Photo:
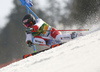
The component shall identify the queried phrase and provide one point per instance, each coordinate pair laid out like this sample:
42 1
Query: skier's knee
63 37
39 41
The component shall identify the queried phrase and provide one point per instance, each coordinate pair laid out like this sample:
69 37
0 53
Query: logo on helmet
26 20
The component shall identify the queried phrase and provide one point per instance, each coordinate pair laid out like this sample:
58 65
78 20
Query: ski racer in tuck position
42 32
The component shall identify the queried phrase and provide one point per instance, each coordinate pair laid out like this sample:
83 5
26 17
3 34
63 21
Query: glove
29 43
29 30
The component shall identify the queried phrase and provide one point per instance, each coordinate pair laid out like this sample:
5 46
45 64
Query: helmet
28 20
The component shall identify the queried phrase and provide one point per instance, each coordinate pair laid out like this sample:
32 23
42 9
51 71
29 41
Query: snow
79 55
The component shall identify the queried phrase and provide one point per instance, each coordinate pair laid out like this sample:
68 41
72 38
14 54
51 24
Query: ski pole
75 30
28 3
34 48
31 12
66 30
33 45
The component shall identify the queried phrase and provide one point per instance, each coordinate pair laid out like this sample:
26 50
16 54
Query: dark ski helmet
28 20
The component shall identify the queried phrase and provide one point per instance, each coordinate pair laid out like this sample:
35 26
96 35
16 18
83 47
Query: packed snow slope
79 55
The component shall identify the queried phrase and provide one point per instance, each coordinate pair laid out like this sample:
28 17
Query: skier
42 32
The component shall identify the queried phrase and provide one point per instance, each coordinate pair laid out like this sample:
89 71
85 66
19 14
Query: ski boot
74 35
49 42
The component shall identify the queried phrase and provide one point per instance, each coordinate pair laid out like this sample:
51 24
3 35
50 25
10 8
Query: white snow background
79 55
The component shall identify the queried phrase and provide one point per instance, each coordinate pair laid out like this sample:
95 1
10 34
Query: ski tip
28 55
87 29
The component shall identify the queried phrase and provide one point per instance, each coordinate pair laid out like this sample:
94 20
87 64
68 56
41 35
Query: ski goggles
28 24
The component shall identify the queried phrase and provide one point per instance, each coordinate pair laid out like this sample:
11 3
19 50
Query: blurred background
61 14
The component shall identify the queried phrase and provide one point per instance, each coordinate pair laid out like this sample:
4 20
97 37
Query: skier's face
27 23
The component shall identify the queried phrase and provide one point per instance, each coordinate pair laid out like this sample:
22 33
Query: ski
52 46
49 47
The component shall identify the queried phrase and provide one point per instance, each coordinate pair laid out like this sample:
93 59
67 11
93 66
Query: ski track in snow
78 55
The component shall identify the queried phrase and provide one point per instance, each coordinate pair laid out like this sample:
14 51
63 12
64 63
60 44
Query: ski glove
29 43
29 30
